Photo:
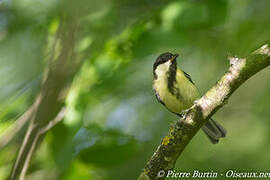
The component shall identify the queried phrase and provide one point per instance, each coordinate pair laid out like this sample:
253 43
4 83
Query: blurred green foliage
113 122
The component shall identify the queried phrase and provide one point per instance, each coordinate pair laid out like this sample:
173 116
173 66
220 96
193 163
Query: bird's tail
214 131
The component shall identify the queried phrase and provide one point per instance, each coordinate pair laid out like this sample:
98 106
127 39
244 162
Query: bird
175 90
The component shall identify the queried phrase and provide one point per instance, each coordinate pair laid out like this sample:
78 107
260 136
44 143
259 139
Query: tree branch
40 132
183 130
14 130
55 121
57 79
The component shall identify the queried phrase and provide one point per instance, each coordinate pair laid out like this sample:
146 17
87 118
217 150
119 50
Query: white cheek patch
163 68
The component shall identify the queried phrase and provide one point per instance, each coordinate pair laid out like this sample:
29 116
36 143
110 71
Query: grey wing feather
188 76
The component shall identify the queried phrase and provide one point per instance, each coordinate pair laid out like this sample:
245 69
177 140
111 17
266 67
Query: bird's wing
188 76
190 80
158 97
187 88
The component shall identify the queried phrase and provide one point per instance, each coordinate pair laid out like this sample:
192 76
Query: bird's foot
183 114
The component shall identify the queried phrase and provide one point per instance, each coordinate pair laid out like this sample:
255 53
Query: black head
163 58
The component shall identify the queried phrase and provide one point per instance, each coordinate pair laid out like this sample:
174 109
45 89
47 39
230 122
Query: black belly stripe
172 78
172 82
178 94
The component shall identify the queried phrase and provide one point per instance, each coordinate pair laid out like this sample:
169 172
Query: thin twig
55 121
34 144
56 80
29 155
17 126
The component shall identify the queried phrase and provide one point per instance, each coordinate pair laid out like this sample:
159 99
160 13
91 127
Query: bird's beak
174 57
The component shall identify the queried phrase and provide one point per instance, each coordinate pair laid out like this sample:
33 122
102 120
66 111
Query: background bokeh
113 122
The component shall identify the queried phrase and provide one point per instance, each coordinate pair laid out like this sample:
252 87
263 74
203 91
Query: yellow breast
188 92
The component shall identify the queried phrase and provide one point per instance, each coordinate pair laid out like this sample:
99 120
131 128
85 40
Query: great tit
175 89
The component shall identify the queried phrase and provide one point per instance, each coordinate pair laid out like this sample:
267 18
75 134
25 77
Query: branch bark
183 130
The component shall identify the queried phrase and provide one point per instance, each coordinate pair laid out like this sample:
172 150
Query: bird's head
165 63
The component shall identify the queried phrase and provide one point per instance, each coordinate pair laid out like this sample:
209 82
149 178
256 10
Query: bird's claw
184 113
